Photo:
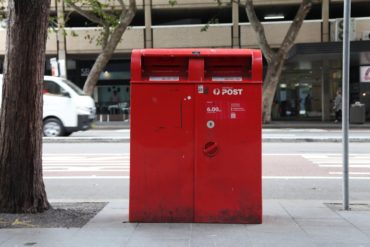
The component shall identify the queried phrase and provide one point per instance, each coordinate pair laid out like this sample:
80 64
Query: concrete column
235 27
325 21
325 79
148 24
61 40
325 91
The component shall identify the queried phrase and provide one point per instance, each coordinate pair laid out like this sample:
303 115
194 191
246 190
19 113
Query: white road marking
85 177
278 135
350 173
84 155
122 131
311 178
74 162
91 164
333 162
338 161
318 155
96 166
340 166
296 130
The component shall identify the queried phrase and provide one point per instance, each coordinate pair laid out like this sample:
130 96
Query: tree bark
109 40
22 188
275 60
106 54
259 30
273 73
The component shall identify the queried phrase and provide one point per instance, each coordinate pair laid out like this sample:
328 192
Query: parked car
66 108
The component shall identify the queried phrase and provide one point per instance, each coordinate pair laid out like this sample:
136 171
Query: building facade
311 76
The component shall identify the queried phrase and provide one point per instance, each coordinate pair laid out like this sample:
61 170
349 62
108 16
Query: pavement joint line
349 222
295 222
132 234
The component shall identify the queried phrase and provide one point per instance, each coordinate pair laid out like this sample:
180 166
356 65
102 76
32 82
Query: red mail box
196 135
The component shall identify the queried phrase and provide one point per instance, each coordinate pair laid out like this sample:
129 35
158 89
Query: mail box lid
177 65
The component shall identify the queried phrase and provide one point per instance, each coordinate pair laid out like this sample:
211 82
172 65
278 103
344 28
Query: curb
110 127
308 139
265 140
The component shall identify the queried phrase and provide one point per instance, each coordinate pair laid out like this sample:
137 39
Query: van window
74 87
53 88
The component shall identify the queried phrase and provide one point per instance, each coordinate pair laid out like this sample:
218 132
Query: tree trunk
275 60
21 185
107 53
274 69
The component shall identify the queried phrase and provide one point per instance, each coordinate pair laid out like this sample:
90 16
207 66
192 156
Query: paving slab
5 235
219 235
286 239
39 237
286 223
163 234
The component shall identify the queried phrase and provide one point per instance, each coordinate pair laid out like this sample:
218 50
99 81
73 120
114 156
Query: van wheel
53 127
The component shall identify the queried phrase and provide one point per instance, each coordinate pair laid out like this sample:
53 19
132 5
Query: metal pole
61 44
345 100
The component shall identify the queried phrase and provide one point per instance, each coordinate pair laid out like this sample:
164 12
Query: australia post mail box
196 135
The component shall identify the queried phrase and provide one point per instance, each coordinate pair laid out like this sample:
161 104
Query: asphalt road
100 172
267 148
268 135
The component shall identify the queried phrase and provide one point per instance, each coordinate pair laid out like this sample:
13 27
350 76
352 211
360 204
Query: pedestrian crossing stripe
118 165
88 163
339 166
359 165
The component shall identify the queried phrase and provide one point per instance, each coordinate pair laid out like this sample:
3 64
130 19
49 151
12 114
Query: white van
66 108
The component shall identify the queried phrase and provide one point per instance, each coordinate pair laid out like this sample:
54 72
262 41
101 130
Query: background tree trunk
106 54
21 185
274 69
275 59
113 28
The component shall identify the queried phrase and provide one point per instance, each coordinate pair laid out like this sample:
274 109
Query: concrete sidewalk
285 223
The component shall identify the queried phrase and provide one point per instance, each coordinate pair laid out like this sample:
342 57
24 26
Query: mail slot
196 136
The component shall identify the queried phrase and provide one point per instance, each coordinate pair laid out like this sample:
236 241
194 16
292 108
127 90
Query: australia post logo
228 91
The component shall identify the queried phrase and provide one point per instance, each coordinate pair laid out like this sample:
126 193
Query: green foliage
89 38
2 10
228 3
213 20
219 2
105 14
108 11
172 2
74 34
53 22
